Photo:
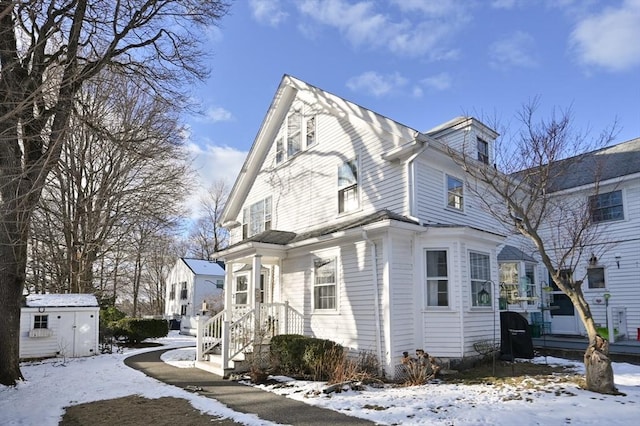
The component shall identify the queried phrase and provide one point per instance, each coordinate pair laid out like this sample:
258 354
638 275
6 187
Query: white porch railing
239 335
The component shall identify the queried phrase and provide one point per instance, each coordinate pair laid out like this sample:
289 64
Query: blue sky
419 62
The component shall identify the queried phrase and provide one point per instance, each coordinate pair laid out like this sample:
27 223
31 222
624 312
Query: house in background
608 181
191 283
59 325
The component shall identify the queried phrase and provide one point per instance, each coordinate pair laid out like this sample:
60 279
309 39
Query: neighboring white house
607 180
349 226
59 325
190 283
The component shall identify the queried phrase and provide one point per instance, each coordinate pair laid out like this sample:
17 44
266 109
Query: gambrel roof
288 91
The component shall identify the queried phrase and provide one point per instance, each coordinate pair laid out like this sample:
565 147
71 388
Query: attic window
483 151
348 198
295 130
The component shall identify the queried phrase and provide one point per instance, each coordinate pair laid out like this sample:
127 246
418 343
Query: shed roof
61 300
204 267
514 253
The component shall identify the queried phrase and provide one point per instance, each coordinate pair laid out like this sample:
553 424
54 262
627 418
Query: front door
563 314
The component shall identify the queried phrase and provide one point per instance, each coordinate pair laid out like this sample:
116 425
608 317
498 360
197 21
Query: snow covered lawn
52 385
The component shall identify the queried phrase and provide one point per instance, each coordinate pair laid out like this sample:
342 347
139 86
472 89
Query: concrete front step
213 364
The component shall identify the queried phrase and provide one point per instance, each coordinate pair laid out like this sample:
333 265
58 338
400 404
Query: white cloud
268 12
213 163
516 50
217 114
422 28
376 84
438 82
609 39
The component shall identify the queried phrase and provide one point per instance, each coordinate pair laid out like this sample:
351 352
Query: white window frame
251 226
349 191
431 280
454 199
478 284
40 321
607 217
483 156
604 278
318 263
245 291
297 133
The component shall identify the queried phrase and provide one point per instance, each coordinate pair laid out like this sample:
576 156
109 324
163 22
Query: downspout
376 297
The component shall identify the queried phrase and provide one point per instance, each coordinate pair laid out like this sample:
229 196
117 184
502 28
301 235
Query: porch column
228 291
254 282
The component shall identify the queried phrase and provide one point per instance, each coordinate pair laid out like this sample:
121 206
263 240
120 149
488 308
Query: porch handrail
209 334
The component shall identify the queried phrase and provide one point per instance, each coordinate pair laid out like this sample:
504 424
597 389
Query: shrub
135 330
297 355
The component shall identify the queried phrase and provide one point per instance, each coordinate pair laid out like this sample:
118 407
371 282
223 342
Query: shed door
77 334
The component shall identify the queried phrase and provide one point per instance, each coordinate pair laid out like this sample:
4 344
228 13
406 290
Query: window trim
603 217
245 291
40 321
285 149
438 278
450 193
486 281
483 157
267 216
315 284
347 188
604 278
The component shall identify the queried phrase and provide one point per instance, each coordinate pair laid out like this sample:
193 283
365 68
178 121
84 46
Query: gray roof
600 165
273 236
513 253
204 267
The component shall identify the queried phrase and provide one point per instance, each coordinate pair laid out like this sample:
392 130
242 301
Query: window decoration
324 286
481 286
348 197
437 278
606 207
455 193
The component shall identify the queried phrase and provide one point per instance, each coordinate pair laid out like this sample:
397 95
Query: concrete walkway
239 397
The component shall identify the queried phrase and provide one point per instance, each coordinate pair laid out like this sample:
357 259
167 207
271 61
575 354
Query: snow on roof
60 300
204 267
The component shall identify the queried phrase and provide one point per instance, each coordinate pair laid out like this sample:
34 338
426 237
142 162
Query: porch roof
271 242
514 253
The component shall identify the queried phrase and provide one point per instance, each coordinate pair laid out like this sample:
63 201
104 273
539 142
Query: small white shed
59 325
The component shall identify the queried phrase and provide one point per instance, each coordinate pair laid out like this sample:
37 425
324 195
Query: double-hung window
455 193
481 290
324 284
437 278
256 218
595 276
607 206
242 290
172 292
348 197
297 129
183 291
483 151
294 133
